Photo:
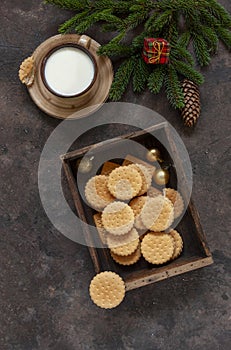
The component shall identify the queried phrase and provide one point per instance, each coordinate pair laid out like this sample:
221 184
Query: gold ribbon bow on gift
158 47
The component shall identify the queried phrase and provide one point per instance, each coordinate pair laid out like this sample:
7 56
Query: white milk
69 71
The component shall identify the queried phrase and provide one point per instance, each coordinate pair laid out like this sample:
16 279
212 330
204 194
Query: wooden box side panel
147 277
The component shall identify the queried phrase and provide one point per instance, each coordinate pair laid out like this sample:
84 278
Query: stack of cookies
134 218
132 215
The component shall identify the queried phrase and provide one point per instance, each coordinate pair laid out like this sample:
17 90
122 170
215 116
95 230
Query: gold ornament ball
161 177
84 165
153 155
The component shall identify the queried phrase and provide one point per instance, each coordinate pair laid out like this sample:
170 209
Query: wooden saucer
75 107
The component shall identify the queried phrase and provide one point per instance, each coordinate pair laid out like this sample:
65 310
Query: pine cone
191 111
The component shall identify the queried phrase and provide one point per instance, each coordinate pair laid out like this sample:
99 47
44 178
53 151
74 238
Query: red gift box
156 51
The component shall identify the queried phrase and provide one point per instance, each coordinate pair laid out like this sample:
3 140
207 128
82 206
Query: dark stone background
44 277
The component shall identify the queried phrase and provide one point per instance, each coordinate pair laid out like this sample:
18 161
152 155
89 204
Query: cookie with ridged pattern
157 247
137 205
97 193
157 214
129 259
176 199
127 248
146 176
118 218
107 290
124 182
178 243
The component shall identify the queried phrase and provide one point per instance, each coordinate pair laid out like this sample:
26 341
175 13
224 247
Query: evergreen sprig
141 74
122 78
200 22
156 79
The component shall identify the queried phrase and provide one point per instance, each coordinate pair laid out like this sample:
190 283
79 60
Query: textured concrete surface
44 277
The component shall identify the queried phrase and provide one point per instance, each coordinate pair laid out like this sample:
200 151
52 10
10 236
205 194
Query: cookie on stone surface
176 199
124 182
107 290
157 213
157 247
129 259
97 193
118 218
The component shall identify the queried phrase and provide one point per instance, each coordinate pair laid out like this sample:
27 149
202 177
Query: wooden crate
196 253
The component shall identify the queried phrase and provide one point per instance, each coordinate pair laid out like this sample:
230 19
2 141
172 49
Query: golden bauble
161 176
84 165
153 155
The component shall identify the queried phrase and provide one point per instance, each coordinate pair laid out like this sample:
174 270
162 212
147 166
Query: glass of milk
69 70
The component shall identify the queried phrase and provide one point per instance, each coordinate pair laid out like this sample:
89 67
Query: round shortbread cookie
118 218
97 193
116 241
157 213
146 176
157 247
137 205
153 192
107 290
128 248
176 199
124 182
178 243
129 259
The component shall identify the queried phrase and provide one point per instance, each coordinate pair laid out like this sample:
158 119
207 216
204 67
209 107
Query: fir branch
120 6
135 19
225 36
188 71
121 79
207 18
220 13
156 79
140 74
179 52
75 5
114 49
211 38
184 39
204 22
138 41
95 17
149 25
72 23
109 27
179 5
170 32
173 88
201 49
162 20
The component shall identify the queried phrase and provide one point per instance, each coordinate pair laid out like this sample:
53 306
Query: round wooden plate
75 107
